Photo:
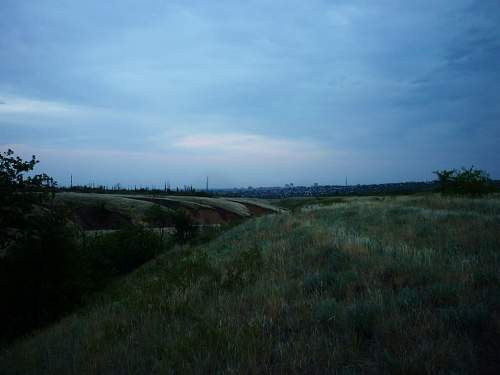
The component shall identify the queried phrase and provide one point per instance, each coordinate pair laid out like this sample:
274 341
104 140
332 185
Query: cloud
253 145
12 104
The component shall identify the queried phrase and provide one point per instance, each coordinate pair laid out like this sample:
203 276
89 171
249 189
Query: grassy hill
367 285
112 211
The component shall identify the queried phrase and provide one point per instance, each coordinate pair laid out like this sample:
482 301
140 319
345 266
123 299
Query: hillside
93 211
357 285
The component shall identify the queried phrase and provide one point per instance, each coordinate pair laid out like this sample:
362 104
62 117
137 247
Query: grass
386 285
134 209
234 207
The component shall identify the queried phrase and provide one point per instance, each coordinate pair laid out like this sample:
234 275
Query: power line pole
207 184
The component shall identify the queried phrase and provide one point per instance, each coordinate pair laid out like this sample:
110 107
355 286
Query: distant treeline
400 188
117 189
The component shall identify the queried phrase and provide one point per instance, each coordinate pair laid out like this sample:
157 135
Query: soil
257 210
207 216
99 218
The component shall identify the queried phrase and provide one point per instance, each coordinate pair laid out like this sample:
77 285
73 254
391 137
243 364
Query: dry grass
134 209
135 206
399 285
257 202
228 205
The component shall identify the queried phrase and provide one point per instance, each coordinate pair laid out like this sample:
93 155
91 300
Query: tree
472 182
15 187
40 263
18 195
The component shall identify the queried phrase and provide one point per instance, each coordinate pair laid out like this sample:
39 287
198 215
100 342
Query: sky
253 93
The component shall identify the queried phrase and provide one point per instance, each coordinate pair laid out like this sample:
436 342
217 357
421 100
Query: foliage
158 217
184 225
15 187
18 194
122 251
40 270
472 181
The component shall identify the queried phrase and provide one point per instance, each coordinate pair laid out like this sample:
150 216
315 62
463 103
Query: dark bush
122 251
472 182
184 225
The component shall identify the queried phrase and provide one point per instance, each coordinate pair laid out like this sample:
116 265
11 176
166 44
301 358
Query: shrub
122 251
157 216
472 181
184 225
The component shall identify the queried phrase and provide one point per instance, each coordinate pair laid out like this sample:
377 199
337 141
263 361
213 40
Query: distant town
290 190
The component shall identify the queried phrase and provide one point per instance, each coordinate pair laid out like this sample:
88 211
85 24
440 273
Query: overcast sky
251 93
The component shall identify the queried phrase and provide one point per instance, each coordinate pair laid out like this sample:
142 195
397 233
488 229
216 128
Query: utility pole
346 181
207 184
71 182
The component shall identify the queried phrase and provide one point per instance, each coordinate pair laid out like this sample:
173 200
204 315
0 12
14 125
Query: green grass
394 285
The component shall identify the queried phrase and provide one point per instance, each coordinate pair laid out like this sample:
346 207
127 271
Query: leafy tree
39 258
472 182
18 195
15 187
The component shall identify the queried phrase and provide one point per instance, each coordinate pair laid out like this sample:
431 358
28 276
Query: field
377 285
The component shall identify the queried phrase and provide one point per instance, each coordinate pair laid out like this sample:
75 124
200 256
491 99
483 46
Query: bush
184 225
122 251
473 182
158 217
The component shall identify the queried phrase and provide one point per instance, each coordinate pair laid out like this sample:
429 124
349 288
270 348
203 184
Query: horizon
258 94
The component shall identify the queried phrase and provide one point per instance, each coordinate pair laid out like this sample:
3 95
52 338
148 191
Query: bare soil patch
256 210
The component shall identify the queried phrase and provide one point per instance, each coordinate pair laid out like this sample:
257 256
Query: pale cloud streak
240 145
20 105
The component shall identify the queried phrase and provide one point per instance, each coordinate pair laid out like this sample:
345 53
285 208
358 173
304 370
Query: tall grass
398 285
